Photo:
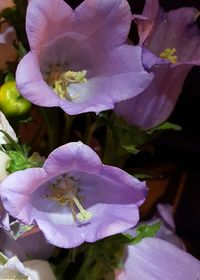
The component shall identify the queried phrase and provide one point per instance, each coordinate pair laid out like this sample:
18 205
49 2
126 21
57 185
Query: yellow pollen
65 192
169 54
60 81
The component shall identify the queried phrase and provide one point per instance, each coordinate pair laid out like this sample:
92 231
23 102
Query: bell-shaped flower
78 59
153 258
29 270
74 197
173 42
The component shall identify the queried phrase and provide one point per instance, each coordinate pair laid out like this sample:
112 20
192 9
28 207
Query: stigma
169 54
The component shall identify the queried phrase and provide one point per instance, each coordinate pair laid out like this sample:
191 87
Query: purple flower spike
173 39
153 258
79 60
74 197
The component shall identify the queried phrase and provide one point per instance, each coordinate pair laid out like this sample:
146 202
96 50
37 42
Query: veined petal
41 26
26 185
155 104
146 25
61 235
98 19
64 159
153 258
31 84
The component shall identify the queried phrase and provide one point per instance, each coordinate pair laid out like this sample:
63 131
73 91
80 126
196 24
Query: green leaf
142 176
3 259
144 231
133 138
9 77
21 49
165 127
20 161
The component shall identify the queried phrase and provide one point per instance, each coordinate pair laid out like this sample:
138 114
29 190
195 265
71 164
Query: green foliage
133 139
18 154
3 259
101 258
20 161
144 231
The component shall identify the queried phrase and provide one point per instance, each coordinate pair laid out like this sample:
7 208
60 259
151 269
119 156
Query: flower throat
65 192
60 81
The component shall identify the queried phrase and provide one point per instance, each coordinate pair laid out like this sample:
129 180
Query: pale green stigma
83 215
60 81
169 54
65 192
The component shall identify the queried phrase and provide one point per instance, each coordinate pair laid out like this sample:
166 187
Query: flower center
60 81
65 192
169 54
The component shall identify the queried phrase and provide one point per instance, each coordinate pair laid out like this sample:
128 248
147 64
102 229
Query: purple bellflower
173 38
74 197
78 60
153 258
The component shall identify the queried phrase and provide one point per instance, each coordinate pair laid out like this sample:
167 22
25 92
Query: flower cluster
82 61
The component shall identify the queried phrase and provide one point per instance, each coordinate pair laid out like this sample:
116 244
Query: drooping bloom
153 258
78 60
74 197
30 270
174 39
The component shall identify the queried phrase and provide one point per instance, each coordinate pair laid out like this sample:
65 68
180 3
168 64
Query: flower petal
60 235
31 84
64 159
5 126
154 105
97 20
153 258
23 185
39 270
178 29
41 26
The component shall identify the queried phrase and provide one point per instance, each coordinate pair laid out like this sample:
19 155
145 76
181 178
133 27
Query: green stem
50 130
